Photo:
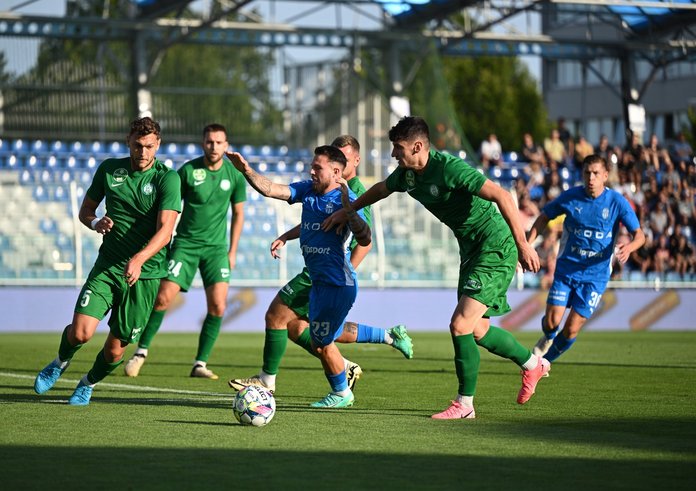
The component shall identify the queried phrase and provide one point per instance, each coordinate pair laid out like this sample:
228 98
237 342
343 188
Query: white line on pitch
143 388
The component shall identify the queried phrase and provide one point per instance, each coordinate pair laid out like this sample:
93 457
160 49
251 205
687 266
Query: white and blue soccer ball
254 406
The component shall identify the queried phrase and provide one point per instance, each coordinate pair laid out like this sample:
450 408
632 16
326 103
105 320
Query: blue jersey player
593 215
326 255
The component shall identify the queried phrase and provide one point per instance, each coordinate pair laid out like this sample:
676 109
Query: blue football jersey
326 254
590 230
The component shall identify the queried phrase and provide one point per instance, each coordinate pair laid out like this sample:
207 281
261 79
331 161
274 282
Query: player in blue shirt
593 215
326 254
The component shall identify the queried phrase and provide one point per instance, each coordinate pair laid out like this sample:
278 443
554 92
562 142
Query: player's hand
132 272
528 257
622 253
239 162
345 197
233 259
104 225
337 219
276 246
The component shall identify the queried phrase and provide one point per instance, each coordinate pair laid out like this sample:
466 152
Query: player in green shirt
209 186
143 199
490 244
288 312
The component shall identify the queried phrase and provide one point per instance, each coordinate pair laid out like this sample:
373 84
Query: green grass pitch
617 412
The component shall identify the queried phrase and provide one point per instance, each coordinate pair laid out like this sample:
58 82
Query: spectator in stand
583 148
547 251
604 148
690 178
682 153
661 217
535 180
491 151
671 180
552 186
641 259
632 153
555 149
683 257
531 152
566 137
661 255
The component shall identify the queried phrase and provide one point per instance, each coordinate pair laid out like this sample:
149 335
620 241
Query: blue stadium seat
58 147
118 149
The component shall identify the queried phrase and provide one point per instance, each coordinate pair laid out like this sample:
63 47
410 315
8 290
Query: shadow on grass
52 467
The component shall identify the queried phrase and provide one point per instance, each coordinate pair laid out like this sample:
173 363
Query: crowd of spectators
657 180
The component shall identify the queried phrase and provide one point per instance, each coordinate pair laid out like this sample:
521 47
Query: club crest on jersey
434 191
410 178
329 207
199 174
225 184
148 189
120 175
605 213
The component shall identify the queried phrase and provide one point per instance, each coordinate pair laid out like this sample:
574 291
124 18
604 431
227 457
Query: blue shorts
582 297
328 307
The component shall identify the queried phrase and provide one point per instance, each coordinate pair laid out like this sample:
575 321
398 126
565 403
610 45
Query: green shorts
486 276
296 294
184 260
107 289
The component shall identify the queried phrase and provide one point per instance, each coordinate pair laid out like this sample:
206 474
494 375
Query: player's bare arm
260 183
376 193
88 216
166 219
623 251
508 209
279 243
361 230
538 227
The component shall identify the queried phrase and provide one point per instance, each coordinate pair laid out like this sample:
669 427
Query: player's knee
217 309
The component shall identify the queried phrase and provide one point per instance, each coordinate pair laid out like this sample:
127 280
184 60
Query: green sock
153 325
273 349
66 350
101 368
466 363
500 342
208 336
305 341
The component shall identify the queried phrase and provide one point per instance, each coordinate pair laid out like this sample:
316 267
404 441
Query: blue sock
560 345
369 334
338 382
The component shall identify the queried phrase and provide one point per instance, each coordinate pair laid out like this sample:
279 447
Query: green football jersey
207 197
358 188
133 201
448 189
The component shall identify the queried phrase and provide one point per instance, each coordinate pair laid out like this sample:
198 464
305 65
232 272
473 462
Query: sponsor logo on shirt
584 253
410 180
591 234
315 250
119 177
198 175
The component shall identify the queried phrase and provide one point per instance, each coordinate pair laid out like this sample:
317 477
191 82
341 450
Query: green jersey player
143 199
209 186
490 244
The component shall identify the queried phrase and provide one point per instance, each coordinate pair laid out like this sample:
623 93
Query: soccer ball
254 406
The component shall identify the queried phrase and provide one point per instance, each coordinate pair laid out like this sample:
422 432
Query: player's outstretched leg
401 340
532 371
50 374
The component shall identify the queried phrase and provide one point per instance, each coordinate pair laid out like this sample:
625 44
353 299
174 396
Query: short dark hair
409 128
334 154
144 126
594 159
214 127
346 141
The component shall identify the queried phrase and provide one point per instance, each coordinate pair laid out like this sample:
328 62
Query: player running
593 215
